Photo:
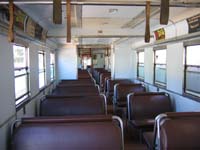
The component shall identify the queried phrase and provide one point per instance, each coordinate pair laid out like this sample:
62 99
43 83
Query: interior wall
112 60
7 91
67 62
8 111
175 74
148 67
123 61
134 64
108 63
175 67
48 70
34 81
99 62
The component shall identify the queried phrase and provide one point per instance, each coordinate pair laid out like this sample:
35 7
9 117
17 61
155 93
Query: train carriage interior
99 75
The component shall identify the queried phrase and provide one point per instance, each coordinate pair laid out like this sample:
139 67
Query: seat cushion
147 123
149 139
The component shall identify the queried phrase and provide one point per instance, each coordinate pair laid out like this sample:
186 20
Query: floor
131 142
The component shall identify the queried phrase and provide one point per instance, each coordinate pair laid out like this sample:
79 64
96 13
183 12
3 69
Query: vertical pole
11 22
68 10
147 28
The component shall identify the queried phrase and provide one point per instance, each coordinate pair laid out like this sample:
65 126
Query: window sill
42 88
29 98
52 81
190 96
23 103
140 79
160 85
184 95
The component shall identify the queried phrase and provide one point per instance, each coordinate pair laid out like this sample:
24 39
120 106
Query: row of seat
73 133
175 131
142 107
133 101
73 116
99 74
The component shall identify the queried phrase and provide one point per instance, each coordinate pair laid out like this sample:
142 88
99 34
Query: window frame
157 83
186 92
138 64
44 70
22 98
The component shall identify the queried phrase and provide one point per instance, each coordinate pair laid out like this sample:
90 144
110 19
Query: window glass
42 74
160 57
160 67
192 70
193 55
52 58
141 57
19 56
140 65
21 72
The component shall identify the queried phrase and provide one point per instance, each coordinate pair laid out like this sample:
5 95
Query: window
86 61
42 74
192 70
160 67
52 66
140 65
21 72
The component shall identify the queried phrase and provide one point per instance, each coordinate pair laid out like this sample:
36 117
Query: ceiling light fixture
100 31
104 23
113 10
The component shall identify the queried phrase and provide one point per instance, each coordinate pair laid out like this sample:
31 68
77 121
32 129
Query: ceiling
96 22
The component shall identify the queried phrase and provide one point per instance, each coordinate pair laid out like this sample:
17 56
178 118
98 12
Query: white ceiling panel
102 17
111 11
103 23
97 40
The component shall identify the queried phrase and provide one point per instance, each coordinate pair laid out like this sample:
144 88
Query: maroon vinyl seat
174 131
79 81
102 79
76 91
83 85
77 133
83 76
96 74
105 83
82 72
88 105
144 107
121 91
109 87
120 97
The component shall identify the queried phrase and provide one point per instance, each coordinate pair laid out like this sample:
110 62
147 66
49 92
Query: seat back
179 131
79 81
89 105
102 78
83 85
143 106
96 73
68 133
83 74
122 90
76 91
111 83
